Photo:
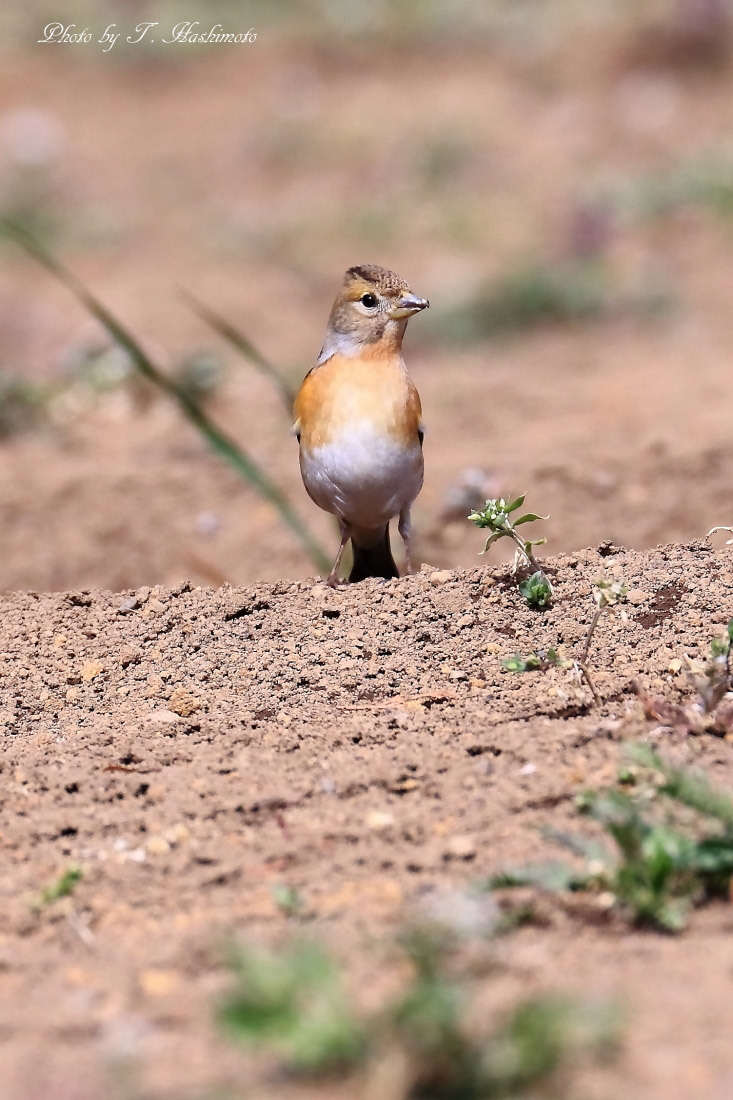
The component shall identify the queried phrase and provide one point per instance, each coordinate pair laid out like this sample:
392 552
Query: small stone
441 576
164 716
129 656
460 847
158 846
636 596
528 769
154 687
177 834
184 703
90 670
158 983
457 674
378 821
72 694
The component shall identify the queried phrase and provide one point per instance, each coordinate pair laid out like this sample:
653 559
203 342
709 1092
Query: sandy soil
191 748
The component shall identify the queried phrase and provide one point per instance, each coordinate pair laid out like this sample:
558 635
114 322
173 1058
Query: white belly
363 476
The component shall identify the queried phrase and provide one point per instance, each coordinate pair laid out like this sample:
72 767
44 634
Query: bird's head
372 308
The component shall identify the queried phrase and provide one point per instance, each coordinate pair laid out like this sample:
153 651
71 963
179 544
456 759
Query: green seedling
446 1059
199 374
496 517
536 662
288 899
294 1003
607 595
222 444
63 887
23 405
536 591
710 711
663 860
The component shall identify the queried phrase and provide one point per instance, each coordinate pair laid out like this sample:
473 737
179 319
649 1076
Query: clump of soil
190 749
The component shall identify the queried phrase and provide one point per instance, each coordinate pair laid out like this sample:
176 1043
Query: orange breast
346 390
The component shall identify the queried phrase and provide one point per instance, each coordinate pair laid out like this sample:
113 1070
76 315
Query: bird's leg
404 527
333 580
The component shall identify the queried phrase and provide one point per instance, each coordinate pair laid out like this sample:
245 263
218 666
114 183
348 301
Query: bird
358 421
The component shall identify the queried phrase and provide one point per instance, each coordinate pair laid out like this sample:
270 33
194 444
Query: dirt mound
191 748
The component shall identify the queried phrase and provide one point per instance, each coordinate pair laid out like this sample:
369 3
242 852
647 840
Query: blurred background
557 180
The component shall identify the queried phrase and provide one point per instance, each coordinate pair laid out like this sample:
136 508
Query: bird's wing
414 410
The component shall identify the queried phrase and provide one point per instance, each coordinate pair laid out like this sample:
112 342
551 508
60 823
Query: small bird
358 421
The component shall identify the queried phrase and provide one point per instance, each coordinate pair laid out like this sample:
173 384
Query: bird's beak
406 305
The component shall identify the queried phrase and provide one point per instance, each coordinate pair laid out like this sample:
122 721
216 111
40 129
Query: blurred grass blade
689 787
218 440
240 343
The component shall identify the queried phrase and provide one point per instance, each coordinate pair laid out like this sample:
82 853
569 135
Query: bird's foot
334 581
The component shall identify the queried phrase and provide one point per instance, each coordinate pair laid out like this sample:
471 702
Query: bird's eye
369 300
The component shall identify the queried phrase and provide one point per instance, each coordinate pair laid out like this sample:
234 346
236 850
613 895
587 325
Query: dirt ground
191 748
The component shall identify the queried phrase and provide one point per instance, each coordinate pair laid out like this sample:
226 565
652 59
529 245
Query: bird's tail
372 558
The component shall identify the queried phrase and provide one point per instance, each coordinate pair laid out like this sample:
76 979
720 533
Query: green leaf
529 517
553 876
689 787
512 505
536 590
63 887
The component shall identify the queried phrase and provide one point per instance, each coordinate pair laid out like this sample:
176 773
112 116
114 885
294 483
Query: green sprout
661 864
537 591
23 404
293 1002
496 517
714 682
288 899
536 661
710 711
63 887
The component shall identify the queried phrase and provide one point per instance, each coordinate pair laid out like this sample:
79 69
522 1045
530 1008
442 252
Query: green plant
664 860
536 590
199 374
288 899
62 887
710 711
23 404
294 1002
537 661
496 517
191 408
